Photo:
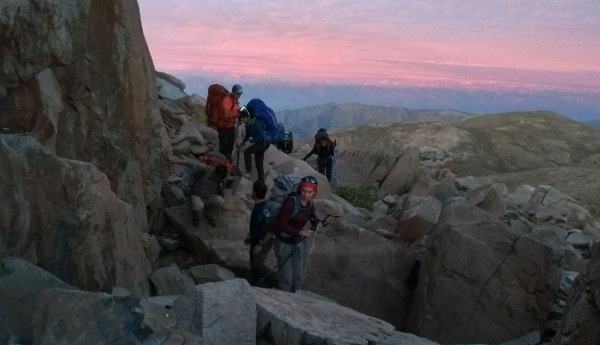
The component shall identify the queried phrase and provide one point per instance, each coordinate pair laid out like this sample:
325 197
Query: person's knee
214 202
197 204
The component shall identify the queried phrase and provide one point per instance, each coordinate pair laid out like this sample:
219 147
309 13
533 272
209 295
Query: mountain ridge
334 116
281 96
483 145
595 123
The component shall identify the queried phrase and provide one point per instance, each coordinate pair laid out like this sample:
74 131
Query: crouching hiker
259 239
289 245
207 188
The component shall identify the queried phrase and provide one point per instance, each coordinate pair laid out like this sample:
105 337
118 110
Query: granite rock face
82 140
78 77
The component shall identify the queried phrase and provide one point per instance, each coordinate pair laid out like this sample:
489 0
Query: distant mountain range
593 123
280 95
306 121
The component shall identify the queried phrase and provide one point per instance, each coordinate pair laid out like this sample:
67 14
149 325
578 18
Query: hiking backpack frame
266 115
214 104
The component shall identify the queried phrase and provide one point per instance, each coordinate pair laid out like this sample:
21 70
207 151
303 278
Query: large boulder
489 197
63 216
362 270
404 174
580 321
83 317
79 77
222 244
419 217
305 318
545 197
21 283
221 313
480 281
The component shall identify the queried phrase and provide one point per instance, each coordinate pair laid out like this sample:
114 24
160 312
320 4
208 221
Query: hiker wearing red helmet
295 212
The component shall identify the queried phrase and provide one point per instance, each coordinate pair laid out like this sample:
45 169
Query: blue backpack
266 115
283 187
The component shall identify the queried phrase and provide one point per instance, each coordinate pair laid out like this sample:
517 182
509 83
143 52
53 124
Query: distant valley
305 121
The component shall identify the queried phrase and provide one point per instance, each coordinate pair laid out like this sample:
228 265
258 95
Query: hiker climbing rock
324 148
296 211
206 190
255 129
259 239
224 115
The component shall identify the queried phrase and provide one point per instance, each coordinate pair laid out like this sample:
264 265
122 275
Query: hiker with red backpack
324 148
295 212
222 111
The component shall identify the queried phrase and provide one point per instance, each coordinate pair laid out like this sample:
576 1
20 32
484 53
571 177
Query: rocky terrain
97 243
513 148
582 182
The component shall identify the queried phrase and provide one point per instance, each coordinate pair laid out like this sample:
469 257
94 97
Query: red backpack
216 158
214 101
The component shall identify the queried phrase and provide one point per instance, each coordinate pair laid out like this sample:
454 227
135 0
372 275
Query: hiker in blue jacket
255 129
259 239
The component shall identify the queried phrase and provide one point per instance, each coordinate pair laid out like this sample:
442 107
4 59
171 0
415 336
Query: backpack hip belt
285 238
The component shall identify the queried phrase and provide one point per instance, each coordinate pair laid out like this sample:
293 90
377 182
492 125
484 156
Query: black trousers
226 141
261 273
325 165
258 150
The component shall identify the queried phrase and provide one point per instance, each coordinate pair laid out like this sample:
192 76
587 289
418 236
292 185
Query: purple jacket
286 224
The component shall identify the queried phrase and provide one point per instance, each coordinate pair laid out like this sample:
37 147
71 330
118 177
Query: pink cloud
379 42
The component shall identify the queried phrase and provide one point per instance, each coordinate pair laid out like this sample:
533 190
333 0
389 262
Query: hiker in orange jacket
226 124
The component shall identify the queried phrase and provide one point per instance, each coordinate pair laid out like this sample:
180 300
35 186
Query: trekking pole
238 139
279 265
237 162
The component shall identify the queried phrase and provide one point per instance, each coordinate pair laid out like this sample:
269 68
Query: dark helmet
237 88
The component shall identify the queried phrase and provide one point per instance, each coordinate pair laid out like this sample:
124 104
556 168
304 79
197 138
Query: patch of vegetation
363 196
594 210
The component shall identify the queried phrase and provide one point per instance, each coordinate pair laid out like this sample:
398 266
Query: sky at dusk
543 44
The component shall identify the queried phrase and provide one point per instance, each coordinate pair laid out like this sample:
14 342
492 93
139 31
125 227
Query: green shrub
363 196
594 210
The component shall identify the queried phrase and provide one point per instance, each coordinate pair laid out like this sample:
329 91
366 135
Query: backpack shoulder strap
296 205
